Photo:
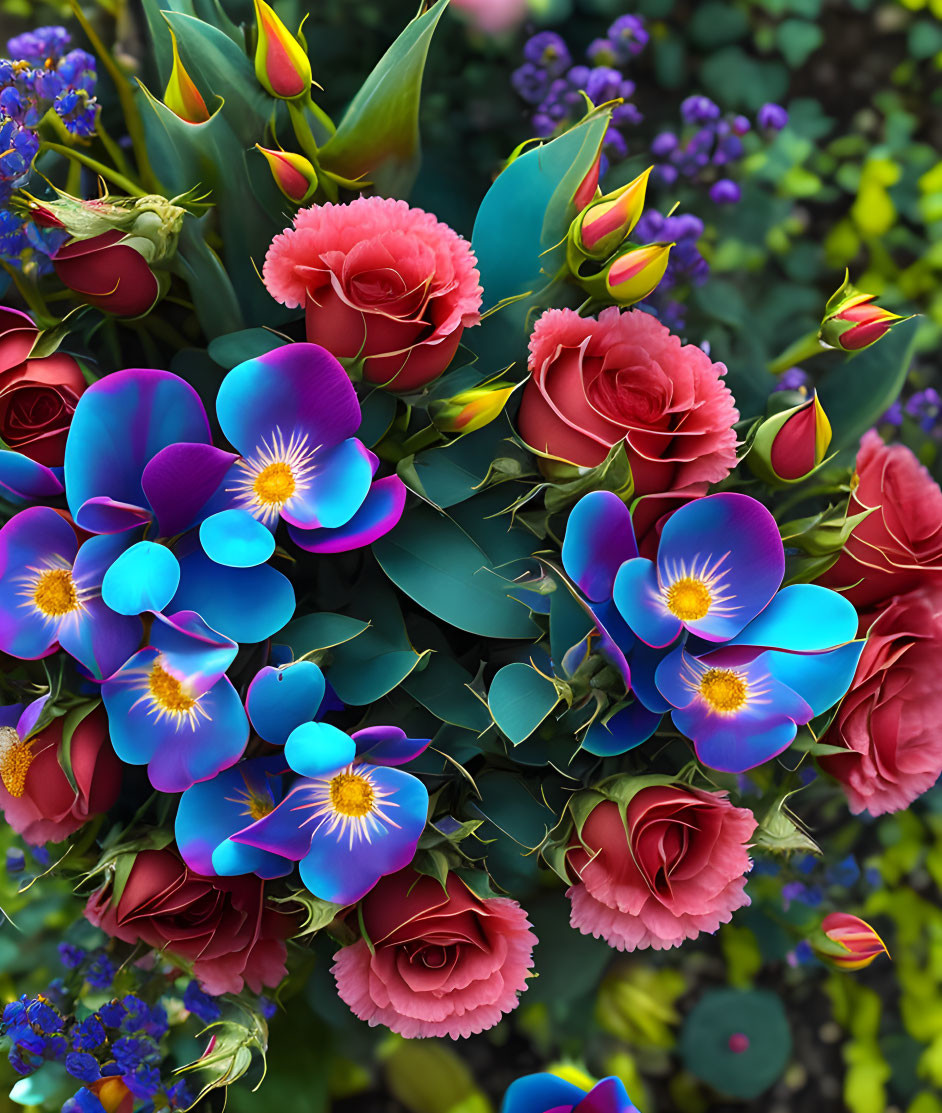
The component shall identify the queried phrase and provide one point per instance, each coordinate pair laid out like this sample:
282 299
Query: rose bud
852 321
599 229
631 276
181 95
589 184
294 175
37 396
281 65
847 942
471 409
791 444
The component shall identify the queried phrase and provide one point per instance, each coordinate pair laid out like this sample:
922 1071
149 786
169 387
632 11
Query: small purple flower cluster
686 266
550 82
924 407
708 141
39 75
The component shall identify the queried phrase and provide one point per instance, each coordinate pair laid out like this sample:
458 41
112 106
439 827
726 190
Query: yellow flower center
351 795
54 594
16 756
275 484
167 692
258 804
724 690
688 599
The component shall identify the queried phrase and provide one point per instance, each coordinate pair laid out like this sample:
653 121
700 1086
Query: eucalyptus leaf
519 700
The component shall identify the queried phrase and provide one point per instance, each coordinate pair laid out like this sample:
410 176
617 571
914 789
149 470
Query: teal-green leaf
435 562
236 347
378 136
521 226
442 687
324 630
519 700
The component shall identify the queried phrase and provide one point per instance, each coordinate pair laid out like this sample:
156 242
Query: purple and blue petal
541 1093
615 639
30 716
234 538
319 750
638 598
384 745
245 604
144 577
821 679
184 482
380 511
607 1096
120 423
624 730
802 618
191 649
25 479
298 388
599 539
278 700
283 831
335 491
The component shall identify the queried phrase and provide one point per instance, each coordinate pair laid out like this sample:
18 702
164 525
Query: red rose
42 806
439 962
889 720
624 377
673 867
37 396
899 545
378 280
108 273
222 925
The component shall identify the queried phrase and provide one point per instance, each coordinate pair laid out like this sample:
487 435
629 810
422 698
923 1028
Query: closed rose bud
471 409
852 321
790 445
107 273
589 185
847 942
181 95
631 277
599 229
281 65
294 174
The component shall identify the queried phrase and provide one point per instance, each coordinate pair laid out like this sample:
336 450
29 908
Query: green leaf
379 134
453 473
442 687
378 410
236 347
520 230
319 631
69 724
317 913
520 699
434 561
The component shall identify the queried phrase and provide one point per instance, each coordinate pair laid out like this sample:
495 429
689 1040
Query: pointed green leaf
520 699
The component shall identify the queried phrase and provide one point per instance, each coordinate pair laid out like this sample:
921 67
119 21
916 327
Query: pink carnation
626 378
674 867
443 962
380 280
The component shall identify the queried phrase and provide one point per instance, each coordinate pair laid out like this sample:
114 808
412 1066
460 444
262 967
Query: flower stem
99 167
798 352
32 297
424 438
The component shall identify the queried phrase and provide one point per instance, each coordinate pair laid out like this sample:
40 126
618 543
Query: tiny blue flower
83 1066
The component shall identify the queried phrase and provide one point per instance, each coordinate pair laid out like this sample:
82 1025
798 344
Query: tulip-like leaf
520 231
519 699
378 136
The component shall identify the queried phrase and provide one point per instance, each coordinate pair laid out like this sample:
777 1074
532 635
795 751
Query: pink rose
443 961
222 925
380 280
898 546
675 867
625 377
492 16
889 721
37 800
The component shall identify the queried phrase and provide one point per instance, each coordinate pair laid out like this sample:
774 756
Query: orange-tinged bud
848 942
181 95
113 1094
852 321
471 409
281 64
294 175
607 222
631 276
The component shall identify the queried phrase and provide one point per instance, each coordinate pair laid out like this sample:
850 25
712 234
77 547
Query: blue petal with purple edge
30 716
144 577
29 541
25 479
278 700
736 538
209 812
337 871
599 539
382 745
738 747
318 749
104 515
821 679
644 662
298 388
99 639
183 481
336 489
234 538
192 650
284 831
638 599
245 604
803 618
615 639
120 423
607 1096
381 510
626 729
540 1093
